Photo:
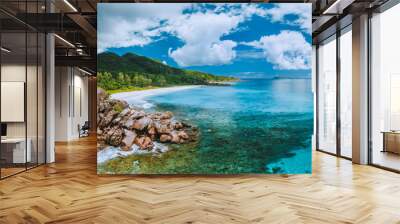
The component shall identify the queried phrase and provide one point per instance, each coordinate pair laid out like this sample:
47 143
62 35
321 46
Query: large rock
183 135
116 120
128 123
125 112
175 137
165 138
178 125
137 114
142 123
114 136
128 140
107 119
144 142
162 128
152 130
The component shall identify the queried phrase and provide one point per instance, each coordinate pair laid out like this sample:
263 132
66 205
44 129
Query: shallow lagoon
254 126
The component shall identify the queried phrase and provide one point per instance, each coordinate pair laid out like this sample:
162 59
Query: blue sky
245 40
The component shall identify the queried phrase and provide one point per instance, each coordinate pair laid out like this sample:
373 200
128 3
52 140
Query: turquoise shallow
253 126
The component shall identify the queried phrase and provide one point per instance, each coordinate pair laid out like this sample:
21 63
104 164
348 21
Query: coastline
126 131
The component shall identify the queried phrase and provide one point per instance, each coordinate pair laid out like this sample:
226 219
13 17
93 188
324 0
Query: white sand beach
137 98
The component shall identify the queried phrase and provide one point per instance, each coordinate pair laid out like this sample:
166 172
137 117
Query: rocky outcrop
122 126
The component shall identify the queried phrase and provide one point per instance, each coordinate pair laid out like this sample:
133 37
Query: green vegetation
132 72
130 89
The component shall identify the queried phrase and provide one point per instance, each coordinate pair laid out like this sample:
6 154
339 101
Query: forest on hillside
130 70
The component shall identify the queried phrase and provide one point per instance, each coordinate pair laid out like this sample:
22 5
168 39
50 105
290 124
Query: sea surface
253 126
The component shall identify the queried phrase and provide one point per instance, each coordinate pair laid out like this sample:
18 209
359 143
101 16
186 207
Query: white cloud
201 29
286 50
126 24
281 11
202 33
202 38
164 62
217 53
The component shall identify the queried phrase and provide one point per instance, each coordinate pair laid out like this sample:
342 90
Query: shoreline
137 98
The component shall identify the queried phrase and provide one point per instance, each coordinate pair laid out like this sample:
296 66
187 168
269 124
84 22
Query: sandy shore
137 98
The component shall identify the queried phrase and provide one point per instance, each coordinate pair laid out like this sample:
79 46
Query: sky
248 40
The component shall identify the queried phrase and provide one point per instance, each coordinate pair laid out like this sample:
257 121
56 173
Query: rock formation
122 126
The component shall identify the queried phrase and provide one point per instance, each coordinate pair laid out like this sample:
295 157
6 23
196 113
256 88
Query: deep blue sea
253 126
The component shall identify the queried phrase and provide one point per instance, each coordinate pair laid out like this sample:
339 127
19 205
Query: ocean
253 126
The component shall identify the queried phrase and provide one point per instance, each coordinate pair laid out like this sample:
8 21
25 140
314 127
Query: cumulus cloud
126 25
287 50
217 53
202 41
202 28
202 34
281 12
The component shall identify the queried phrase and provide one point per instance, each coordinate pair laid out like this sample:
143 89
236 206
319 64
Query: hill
131 70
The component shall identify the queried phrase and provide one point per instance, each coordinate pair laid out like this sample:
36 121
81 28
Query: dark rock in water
123 126
128 140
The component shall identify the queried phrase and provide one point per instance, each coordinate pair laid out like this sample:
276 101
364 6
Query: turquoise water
254 126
